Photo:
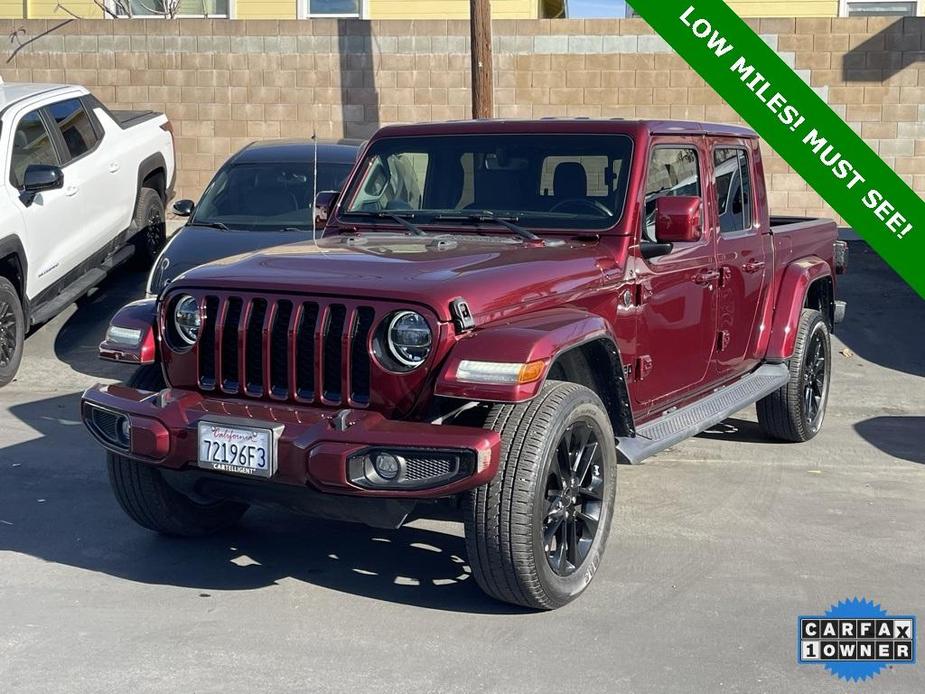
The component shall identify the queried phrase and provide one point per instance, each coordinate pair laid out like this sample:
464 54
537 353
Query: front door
53 219
677 297
740 257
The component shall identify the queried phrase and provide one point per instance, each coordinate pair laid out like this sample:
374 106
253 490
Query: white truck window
31 145
76 127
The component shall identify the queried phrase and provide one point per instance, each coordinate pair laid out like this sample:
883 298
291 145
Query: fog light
125 432
387 465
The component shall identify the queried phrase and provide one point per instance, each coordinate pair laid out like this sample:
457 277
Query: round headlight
187 319
409 338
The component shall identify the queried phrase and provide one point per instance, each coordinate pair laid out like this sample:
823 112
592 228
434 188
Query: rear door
87 171
677 301
740 255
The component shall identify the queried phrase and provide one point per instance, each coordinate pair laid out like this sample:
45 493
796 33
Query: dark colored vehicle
261 197
498 313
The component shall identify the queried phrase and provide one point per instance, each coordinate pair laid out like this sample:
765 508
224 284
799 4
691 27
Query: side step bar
81 286
692 419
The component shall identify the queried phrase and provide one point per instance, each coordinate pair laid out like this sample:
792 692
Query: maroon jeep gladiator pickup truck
496 314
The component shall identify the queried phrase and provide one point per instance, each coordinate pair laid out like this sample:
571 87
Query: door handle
113 167
754 266
706 276
71 191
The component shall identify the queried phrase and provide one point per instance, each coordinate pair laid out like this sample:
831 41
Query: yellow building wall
393 9
265 9
449 9
47 9
10 9
785 8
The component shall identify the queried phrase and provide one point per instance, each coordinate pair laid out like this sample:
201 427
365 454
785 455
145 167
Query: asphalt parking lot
717 546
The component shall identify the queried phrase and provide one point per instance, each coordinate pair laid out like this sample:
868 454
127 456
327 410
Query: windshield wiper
404 220
486 216
210 225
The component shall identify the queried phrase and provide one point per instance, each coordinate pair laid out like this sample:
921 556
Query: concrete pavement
717 545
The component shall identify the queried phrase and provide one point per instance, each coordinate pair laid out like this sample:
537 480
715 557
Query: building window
878 8
334 8
169 8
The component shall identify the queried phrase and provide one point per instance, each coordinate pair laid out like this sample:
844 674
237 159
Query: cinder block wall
225 83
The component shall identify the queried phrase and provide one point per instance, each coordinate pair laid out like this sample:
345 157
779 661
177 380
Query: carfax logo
856 639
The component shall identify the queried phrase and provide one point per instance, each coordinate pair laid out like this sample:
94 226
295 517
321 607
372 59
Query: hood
492 273
194 245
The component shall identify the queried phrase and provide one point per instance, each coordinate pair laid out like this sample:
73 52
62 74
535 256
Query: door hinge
722 340
643 367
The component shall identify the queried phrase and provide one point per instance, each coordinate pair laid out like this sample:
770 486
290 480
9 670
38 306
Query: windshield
543 181
266 196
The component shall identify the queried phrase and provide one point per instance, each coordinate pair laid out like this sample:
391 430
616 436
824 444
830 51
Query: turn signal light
502 373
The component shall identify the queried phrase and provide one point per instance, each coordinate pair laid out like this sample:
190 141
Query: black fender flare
148 166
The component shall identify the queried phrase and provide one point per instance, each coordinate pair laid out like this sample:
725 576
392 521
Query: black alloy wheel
815 381
8 334
12 331
574 498
154 231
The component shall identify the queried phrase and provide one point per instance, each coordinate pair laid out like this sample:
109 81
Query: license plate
239 449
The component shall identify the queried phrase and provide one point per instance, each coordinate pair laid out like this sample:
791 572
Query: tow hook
339 420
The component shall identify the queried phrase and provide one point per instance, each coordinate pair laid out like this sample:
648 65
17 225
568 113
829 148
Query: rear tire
148 377
795 412
152 503
152 229
535 534
12 331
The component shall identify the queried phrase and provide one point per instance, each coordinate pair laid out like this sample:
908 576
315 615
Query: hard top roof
277 151
568 125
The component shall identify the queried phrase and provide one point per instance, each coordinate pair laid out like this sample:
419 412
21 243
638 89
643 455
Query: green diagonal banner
799 125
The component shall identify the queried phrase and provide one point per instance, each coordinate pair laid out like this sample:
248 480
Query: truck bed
128 119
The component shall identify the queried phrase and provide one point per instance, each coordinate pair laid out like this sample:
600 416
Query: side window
733 189
673 171
31 145
76 127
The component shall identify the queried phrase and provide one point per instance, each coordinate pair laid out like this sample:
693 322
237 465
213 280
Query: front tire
536 533
152 503
795 411
12 331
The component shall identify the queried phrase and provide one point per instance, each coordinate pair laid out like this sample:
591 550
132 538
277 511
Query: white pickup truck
83 190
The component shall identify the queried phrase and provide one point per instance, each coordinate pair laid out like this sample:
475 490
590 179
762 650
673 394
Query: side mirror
184 208
677 219
324 206
39 177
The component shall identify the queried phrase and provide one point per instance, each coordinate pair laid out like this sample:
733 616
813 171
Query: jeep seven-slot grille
286 349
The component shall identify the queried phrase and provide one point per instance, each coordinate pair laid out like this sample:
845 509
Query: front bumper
314 444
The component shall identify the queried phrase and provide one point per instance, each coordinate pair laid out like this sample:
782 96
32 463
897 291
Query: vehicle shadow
898 437
885 322
734 429
77 341
56 505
